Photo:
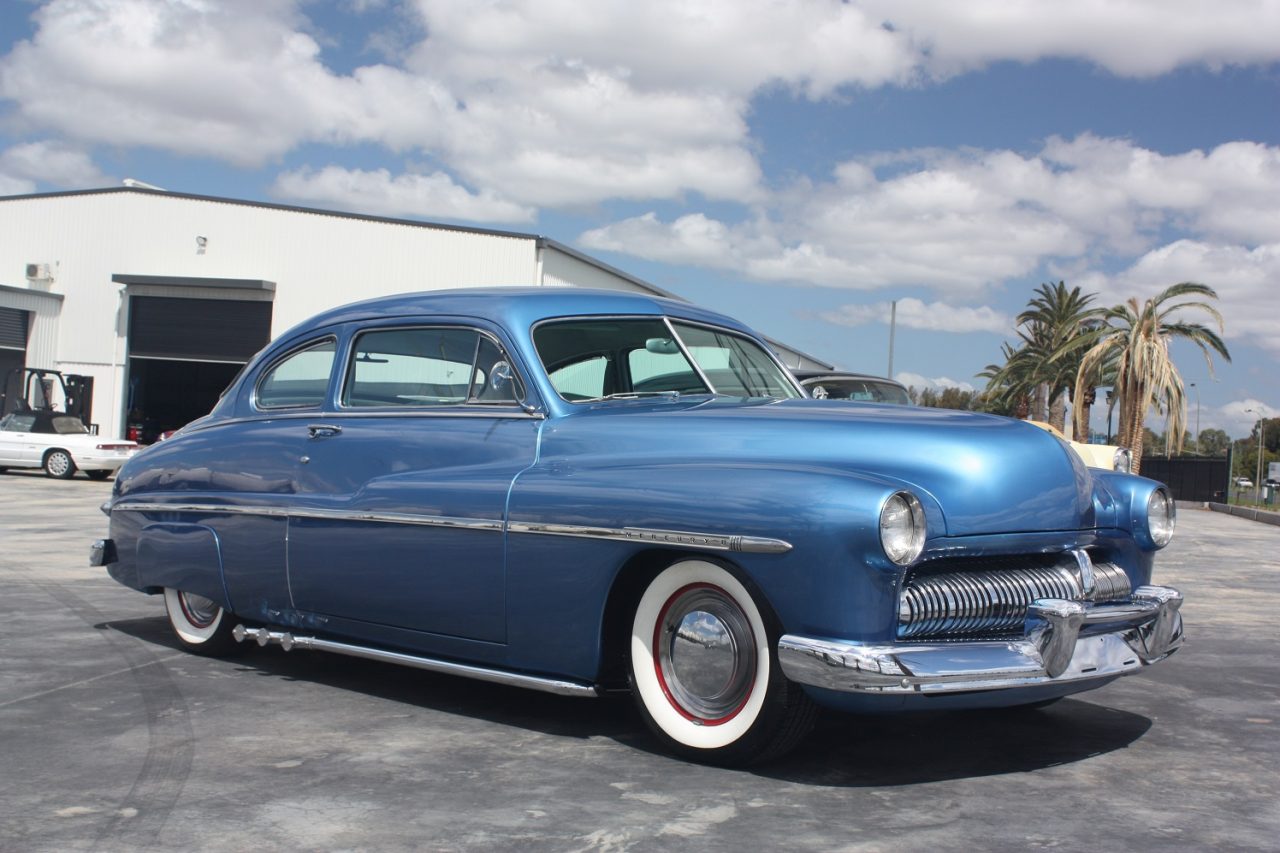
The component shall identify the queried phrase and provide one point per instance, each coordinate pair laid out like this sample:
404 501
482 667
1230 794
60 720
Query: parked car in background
60 444
584 491
834 385
1242 483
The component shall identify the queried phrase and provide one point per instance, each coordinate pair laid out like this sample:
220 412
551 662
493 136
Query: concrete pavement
113 739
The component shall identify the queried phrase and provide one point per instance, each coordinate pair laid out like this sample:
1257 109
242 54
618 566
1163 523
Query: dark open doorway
165 395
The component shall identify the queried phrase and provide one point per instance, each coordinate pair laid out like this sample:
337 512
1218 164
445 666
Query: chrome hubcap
706 654
58 463
199 610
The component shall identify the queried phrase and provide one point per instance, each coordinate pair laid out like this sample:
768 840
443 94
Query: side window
18 423
495 378
299 380
581 380
412 367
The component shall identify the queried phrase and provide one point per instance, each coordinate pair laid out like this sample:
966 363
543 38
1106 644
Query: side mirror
500 379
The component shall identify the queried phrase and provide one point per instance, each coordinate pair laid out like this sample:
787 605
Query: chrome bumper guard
1062 641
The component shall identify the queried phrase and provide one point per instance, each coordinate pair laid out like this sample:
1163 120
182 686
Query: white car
1243 483
60 444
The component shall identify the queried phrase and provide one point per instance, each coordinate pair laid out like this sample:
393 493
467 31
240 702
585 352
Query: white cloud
1245 280
931 316
1239 417
10 185
238 81
563 103
434 195
939 383
961 221
50 161
1138 38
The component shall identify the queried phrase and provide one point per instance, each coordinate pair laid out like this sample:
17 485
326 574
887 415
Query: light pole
893 327
1193 385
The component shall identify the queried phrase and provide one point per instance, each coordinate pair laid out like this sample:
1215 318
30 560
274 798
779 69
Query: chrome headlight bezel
902 528
1122 460
1162 517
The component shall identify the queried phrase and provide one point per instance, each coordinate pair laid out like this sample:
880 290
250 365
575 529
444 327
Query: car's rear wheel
59 465
704 669
97 475
200 624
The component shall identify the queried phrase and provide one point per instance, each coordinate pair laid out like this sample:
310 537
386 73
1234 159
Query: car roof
517 307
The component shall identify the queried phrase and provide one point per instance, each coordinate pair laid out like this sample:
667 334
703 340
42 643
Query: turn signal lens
902 529
1160 517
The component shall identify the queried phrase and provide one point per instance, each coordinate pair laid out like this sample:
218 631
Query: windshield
597 358
868 390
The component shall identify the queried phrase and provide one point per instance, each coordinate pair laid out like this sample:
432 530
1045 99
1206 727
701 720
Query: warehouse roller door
13 341
182 353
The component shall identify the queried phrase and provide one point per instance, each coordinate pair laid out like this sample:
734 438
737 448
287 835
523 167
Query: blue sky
797 164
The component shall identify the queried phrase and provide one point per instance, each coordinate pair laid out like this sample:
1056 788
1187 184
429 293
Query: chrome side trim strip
287 641
304 512
682 538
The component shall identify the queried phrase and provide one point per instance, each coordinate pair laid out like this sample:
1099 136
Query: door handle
323 430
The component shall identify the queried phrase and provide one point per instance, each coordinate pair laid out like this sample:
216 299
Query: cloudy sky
800 164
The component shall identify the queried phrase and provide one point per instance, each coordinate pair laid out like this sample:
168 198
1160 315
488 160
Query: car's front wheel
59 465
200 624
704 669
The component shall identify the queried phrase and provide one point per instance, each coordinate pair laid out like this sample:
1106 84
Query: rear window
299 380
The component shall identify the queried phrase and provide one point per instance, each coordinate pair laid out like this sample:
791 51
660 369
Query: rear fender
182 556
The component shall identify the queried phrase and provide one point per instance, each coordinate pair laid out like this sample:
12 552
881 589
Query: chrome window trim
349 360
684 538
276 362
768 351
684 349
310 414
667 320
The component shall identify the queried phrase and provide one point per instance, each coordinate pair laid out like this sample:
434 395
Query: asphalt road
113 739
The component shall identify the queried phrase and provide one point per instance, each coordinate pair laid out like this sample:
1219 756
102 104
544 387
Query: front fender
833 579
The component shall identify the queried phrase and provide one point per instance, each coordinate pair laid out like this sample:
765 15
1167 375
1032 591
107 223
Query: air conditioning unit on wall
38 272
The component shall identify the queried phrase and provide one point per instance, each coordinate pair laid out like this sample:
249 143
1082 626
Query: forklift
36 389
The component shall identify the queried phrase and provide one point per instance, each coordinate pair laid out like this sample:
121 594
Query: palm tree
1044 366
1135 340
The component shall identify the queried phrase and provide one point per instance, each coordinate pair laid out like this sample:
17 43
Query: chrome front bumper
1062 641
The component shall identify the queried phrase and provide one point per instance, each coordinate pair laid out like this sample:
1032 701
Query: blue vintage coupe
574 491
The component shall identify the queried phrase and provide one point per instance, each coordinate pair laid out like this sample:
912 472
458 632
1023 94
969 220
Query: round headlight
1122 460
902 528
1160 517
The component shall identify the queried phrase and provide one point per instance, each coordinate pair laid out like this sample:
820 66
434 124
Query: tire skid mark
141 815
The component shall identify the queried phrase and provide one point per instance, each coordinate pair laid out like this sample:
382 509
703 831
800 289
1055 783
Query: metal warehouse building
160 297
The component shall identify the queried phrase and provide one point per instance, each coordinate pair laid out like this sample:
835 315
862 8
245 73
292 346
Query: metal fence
1191 478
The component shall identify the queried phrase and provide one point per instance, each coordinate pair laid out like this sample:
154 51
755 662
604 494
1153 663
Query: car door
398 519
16 447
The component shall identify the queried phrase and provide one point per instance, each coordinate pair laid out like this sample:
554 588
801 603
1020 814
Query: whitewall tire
704 670
201 625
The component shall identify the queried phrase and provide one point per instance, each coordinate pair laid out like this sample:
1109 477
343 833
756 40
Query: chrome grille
965 603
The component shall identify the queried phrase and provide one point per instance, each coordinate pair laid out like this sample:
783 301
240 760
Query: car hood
987 474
